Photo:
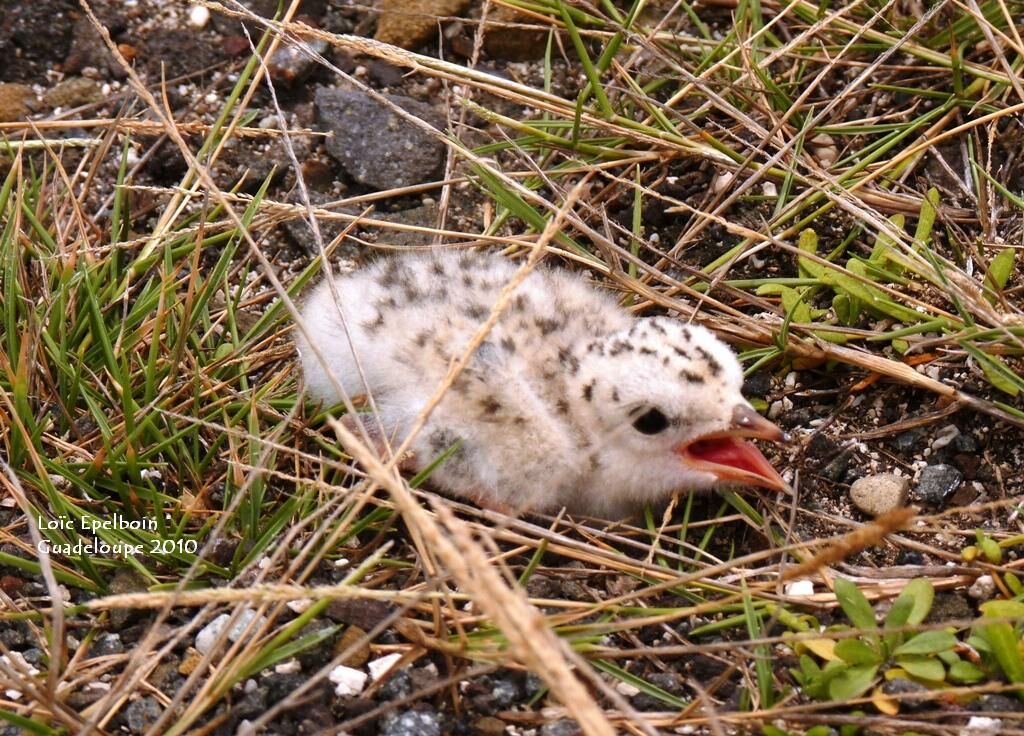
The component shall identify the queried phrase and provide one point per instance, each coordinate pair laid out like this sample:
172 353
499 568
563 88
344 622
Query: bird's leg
357 423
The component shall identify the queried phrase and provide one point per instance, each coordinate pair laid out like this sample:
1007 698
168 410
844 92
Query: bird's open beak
730 458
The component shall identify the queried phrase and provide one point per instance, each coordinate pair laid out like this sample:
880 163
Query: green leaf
640 684
1002 643
855 605
884 245
856 651
926 220
795 306
928 642
897 617
991 549
846 307
27 725
1000 269
809 244
925 668
921 591
996 372
1013 583
852 682
965 673
1002 609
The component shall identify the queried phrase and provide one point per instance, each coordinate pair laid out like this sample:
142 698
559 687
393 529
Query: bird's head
664 400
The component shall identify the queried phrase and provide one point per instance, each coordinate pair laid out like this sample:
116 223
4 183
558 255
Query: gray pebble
564 727
965 443
838 466
937 483
901 686
879 494
377 146
106 644
411 723
142 714
906 442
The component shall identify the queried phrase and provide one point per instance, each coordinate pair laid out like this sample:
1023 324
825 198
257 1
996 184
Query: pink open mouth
729 457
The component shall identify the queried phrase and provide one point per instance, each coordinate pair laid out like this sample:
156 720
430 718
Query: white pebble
983 726
270 122
379 667
944 436
347 681
800 588
198 16
210 634
288 667
982 589
625 688
722 181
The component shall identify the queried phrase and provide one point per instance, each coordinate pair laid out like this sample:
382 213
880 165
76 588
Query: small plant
999 637
854 665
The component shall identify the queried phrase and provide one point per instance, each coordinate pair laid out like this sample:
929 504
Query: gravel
422 722
142 714
937 484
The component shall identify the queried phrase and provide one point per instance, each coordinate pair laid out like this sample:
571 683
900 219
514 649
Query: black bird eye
651 421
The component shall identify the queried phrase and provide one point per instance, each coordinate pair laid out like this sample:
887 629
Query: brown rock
357 612
189 662
504 39
490 726
14 102
72 92
412 23
353 636
879 494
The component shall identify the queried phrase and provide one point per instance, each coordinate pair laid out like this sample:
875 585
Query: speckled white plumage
562 405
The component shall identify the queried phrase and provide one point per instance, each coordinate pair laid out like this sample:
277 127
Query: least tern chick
569 402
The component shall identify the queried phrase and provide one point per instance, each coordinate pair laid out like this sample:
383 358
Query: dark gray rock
837 466
423 722
106 644
399 685
126 580
965 443
906 442
997 703
142 714
670 682
292 63
757 385
376 145
937 483
34 655
564 727
14 635
902 687
252 705
280 686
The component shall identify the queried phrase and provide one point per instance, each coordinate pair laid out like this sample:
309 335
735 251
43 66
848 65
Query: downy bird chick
569 402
